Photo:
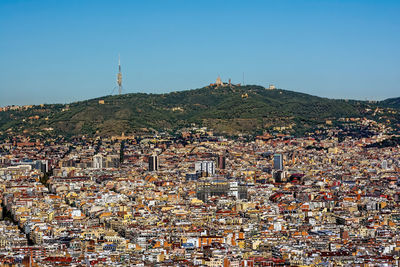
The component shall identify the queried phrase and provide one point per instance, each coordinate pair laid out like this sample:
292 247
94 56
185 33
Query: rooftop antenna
243 78
119 76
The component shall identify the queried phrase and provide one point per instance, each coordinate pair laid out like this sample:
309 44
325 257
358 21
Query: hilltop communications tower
119 76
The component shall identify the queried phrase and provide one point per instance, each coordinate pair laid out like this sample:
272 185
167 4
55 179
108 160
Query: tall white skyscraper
207 167
98 161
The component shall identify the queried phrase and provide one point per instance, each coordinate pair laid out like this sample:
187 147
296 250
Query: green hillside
391 102
245 109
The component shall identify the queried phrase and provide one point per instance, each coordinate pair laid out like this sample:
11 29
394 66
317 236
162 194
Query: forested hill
227 110
391 102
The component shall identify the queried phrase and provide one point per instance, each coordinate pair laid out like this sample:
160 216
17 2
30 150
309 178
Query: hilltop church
220 83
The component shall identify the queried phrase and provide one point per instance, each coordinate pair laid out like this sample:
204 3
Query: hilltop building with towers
220 83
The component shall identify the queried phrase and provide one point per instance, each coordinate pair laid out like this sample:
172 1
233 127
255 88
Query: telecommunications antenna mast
119 76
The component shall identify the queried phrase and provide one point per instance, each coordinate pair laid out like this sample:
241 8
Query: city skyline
67 51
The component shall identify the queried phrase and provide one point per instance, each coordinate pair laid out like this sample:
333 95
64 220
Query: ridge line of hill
228 110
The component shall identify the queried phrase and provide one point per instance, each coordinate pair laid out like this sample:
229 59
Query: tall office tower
42 165
98 161
384 164
278 162
221 162
205 167
153 163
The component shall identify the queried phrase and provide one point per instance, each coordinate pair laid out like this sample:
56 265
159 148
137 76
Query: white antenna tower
119 76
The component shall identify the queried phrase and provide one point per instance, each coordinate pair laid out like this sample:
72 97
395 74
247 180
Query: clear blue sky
63 51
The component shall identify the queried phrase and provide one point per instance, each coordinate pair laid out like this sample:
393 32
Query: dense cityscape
199 133
200 199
